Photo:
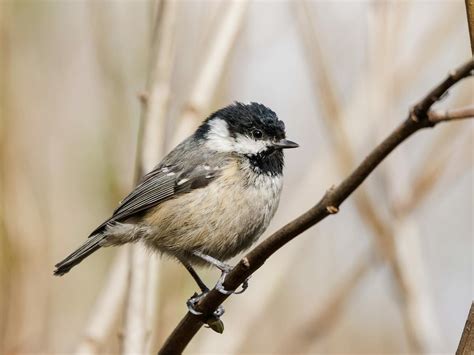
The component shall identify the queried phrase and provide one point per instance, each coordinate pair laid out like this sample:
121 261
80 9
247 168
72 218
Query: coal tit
209 199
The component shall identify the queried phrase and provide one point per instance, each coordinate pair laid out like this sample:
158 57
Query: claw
220 286
219 312
225 269
194 300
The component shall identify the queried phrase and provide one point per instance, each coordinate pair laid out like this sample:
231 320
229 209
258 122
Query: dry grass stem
320 322
105 313
432 39
107 308
208 78
332 112
217 49
332 117
140 307
462 163
5 276
427 176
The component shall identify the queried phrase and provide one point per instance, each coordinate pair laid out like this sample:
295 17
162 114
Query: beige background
70 75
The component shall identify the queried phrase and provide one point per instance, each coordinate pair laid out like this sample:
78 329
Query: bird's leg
191 303
213 261
200 283
225 269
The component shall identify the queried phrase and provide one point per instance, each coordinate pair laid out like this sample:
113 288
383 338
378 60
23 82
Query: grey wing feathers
155 187
158 186
196 178
147 194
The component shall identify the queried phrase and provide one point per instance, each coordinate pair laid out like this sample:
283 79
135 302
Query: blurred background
391 273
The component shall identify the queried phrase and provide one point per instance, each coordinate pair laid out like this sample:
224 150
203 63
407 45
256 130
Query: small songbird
209 199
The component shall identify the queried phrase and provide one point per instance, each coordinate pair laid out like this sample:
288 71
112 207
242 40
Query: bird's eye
256 133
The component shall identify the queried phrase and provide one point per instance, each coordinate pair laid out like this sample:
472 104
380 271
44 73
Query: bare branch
329 204
433 165
466 344
451 115
113 295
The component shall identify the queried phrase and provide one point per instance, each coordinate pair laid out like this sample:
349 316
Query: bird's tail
91 245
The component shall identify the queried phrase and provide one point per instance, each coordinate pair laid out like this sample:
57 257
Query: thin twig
417 119
453 114
430 168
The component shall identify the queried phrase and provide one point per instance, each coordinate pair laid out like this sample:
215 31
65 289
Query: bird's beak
285 144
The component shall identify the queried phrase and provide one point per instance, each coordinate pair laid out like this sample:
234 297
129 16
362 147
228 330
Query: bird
208 200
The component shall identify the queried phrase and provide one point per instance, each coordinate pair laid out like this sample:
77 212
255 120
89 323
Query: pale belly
220 220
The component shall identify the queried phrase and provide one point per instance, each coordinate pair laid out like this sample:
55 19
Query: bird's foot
225 269
194 300
220 285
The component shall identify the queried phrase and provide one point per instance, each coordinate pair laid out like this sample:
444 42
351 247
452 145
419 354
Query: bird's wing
160 185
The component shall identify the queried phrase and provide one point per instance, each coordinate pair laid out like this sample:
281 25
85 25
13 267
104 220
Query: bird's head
246 129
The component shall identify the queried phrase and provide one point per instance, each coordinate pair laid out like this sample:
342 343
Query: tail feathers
90 246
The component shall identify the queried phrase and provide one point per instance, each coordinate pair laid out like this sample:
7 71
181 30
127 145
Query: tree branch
454 114
417 119
466 344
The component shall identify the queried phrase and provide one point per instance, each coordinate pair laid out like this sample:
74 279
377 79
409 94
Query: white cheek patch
218 137
247 145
